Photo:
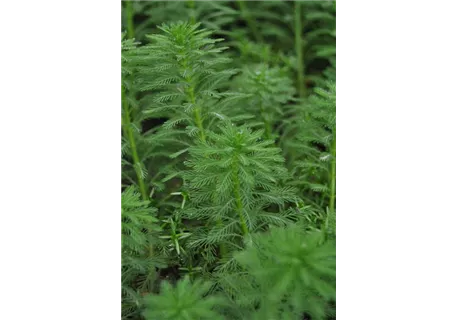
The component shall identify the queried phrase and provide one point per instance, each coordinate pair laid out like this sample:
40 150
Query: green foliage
237 160
309 139
235 186
294 270
228 160
182 71
139 235
268 89
185 301
212 14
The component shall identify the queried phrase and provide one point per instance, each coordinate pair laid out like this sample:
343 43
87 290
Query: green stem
192 99
237 195
267 123
299 48
199 123
268 130
126 126
250 22
196 111
222 246
332 198
130 23
190 267
191 6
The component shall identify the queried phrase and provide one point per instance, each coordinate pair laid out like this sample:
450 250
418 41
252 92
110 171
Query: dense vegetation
228 160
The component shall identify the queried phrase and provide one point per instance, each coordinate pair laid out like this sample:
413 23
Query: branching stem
332 198
250 21
130 22
237 195
299 48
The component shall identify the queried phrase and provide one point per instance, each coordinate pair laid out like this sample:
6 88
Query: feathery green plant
128 108
228 160
235 188
182 70
295 271
268 89
236 175
310 139
215 15
184 301
139 260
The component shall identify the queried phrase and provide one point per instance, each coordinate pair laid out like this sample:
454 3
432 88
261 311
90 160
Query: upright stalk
126 126
196 111
237 196
299 48
332 197
191 6
199 123
130 23
267 123
250 22
222 247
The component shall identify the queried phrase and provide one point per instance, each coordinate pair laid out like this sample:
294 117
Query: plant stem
199 123
191 5
130 23
192 99
190 267
250 22
126 126
237 195
222 246
196 111
299 48
267 123
332 198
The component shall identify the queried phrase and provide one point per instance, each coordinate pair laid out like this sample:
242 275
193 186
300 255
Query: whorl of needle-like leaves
139 232
184 301
235 178
309 140
182 70
268 89
128 49
138 220
212 14
295 270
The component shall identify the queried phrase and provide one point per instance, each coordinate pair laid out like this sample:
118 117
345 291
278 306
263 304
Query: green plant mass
228 160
